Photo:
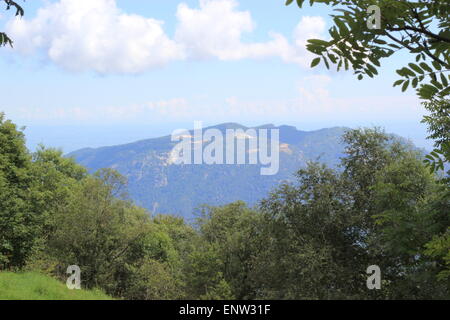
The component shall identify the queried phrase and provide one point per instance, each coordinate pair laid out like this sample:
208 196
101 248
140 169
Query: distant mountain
161 186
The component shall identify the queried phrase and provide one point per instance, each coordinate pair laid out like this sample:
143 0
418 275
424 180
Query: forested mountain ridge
158 185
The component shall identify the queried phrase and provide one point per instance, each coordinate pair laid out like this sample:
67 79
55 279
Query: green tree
204 273
405 198
311 248
95 229
153 267
231 236
54 178
152 279
439 248
438 122
382 208
19 224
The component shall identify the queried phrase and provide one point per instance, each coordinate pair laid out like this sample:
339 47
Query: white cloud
96 35
216 29
308 28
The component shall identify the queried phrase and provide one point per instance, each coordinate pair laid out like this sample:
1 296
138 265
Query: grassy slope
34 286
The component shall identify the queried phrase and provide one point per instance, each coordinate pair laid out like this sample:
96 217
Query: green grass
35 286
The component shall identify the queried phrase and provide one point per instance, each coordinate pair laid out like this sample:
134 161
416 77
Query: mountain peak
227 125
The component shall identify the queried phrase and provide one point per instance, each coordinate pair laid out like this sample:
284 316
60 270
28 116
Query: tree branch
422 31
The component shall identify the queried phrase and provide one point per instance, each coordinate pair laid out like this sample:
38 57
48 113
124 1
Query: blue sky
87 73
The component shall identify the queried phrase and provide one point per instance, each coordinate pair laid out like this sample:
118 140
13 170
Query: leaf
398 82
374 60
319 42
379 41
343 31
405 86
427 91
315 62
425 67
437 65
416 68
444 80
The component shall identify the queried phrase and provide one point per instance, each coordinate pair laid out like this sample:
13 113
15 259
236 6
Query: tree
420 27
231 233
309 252
4 39
152 267
438 122
439 248
95 229
220 264
382 208
409 213
19 223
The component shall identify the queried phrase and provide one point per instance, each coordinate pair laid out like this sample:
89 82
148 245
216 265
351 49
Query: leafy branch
4 39
422 28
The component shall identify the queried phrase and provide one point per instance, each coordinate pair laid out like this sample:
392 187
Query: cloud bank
96 35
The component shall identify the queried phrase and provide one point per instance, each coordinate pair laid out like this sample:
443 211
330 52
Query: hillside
162 187
34 286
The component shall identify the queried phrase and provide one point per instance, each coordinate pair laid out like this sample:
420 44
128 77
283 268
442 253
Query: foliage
438 122
19 225
231 236
383 208
420 27
310 254
94 229
439 248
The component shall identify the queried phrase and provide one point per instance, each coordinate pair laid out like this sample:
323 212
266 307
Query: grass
35 286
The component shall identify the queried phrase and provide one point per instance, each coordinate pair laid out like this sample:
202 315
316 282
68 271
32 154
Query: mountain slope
163 187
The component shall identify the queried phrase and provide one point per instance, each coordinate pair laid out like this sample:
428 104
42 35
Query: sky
89 73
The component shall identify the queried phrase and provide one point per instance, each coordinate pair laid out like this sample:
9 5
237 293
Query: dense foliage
312 239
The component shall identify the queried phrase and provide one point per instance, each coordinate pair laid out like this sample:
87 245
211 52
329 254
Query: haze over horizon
75 137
